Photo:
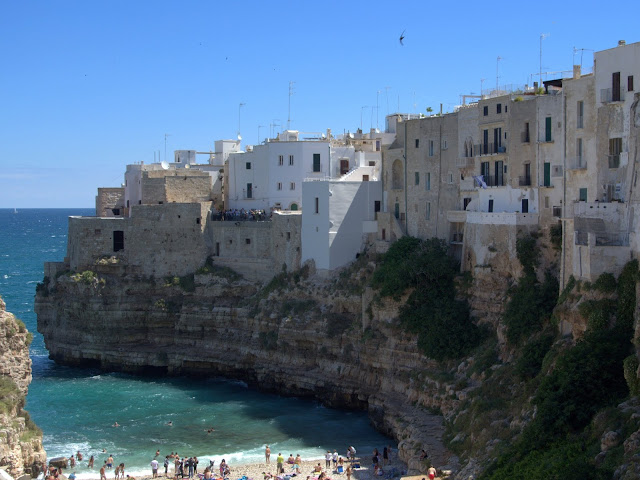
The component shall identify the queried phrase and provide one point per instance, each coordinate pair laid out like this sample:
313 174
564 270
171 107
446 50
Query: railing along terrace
524 181
607 95
493 181
241 215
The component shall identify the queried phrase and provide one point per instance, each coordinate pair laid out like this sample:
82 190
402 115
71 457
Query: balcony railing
577 163
614 160
493 181
489 149
607 95
464 162
524 181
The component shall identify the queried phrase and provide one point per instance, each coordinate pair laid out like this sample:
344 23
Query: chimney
621 43
577 71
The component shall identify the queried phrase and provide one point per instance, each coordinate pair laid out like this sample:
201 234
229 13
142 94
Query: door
344 167
397 210
525 205
527 174
485 138
547 174
490 206
217 249
499 169
615 87
249 190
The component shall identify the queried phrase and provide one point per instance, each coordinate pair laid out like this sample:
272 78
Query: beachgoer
431 472
79 456
116 472
154 468
317 468
176 465
322 476
348 472
327 459
110 462
335 458
170 423
298 463
267 454
385 456
340 461
122 471
223 466
280 463
102 472
157 452
116 424
72 476
195 465
72 461
131 478
91 460
291 460
166 465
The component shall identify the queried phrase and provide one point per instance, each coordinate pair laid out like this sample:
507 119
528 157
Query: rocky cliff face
20 440
319 338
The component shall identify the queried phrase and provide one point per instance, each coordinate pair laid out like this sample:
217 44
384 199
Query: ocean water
76 408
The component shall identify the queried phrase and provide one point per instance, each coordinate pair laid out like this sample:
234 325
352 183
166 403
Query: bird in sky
402 37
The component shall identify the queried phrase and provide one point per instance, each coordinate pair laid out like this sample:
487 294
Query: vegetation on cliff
432 311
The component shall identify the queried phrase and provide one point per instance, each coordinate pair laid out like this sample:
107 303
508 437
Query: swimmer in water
169 423
116 424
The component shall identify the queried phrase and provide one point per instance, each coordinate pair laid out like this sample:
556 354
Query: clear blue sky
87 87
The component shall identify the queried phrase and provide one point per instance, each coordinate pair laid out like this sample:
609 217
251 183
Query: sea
76 408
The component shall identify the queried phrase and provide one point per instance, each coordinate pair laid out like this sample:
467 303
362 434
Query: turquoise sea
76 408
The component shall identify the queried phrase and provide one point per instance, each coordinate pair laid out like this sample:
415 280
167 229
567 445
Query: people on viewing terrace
234 215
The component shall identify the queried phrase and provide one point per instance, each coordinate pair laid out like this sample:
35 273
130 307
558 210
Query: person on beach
327 459
79 456
348 472
335 458
223 466
385 456
91 460
110 462
166 466
291 460
317 468
116 424
102 472
154 468
122 471
72 461
116 472
176 464
298 463
280 463
72 476
432 472
195 465
267 454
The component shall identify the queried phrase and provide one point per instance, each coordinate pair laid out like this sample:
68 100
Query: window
431 148
525 134
580 119
557 211
248 166
506 108
280 160
317 205
615 87
583 194
316 162
450 178
118 240
417 180
279 185
490 209
290 159
485 110
428 211
427 181
615 148
292 186
630 83
247 241
547 129
546 202
499 108
579 151
417 143
288 236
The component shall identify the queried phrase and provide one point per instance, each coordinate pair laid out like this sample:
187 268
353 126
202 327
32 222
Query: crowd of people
235 215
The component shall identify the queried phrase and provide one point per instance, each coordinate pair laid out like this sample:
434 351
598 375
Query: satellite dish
187 166
239 137
164 165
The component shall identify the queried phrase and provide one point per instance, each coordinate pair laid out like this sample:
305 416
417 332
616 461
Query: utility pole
542 37
259 127
165 145
497 67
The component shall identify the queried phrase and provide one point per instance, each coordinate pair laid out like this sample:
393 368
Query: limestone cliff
20 440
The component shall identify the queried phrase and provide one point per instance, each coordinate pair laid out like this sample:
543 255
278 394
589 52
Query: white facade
337 218
271 175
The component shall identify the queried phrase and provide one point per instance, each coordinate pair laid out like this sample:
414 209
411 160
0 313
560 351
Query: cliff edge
20 439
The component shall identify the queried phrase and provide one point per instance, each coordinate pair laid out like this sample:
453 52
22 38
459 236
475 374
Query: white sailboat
15 210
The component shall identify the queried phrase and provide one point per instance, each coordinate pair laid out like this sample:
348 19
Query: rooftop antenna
239 107
361 110
165 145
581 50
542 37
386 91
291 92
377 110
259 127
497 70
482 86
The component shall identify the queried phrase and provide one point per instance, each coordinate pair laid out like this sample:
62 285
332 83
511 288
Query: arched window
294 207
396 174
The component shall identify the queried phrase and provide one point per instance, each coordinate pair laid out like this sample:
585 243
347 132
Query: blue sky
87 87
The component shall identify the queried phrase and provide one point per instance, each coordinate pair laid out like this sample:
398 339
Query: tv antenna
291 92
542 37
165 145
581 50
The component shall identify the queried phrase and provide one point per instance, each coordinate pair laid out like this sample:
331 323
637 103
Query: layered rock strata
20 440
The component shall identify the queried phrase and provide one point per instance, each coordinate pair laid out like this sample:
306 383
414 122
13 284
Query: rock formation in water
20 439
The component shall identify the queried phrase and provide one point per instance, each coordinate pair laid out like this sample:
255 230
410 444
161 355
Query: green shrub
10 397
606 283
88 278
533 353
218 271
555 236
627 295
631 374
571 283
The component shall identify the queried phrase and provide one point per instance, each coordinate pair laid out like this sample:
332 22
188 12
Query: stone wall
109 199
20 442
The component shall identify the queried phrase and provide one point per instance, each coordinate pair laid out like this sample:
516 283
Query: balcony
608 95
465 162
493 181
614 160
524 181
489 149
577 163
